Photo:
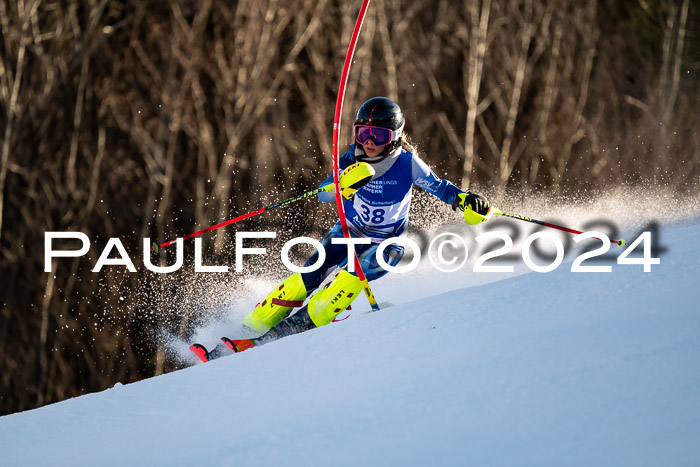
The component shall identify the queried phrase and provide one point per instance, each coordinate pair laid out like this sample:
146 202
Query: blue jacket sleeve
425 178
344 162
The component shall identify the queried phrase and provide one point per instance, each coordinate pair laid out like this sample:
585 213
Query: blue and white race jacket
380 209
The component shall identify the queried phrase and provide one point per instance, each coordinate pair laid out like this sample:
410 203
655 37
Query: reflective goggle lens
379 136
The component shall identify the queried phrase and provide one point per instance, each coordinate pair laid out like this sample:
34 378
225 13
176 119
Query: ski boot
289 294
323 307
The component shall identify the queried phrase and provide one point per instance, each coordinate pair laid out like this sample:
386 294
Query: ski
208 355
201 352
234 345
238 345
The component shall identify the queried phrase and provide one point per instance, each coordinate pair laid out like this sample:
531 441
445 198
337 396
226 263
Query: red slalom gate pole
336 136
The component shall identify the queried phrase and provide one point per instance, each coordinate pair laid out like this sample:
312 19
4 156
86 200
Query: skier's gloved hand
474 206
355 177
471 200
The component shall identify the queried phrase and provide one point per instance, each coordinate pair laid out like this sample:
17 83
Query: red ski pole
620 242
286 202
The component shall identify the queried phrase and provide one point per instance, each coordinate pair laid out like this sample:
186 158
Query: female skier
378 173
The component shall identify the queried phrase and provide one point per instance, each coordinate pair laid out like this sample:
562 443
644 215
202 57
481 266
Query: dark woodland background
137 119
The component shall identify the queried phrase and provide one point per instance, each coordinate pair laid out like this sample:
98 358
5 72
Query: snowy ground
558 368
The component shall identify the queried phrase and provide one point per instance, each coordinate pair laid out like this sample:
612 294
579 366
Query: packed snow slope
555 368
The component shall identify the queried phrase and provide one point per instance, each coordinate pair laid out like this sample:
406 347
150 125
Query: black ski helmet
384 113
381 112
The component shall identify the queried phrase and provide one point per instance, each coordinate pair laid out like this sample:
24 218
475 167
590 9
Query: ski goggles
378 135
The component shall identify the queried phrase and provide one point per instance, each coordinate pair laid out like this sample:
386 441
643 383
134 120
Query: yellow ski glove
475 207
355 177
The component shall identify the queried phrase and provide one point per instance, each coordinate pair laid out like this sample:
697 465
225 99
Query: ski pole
620 242
286 202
